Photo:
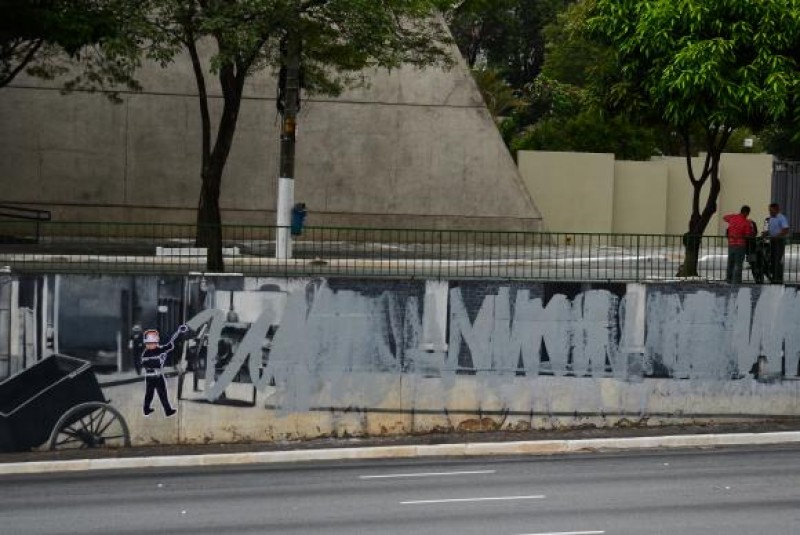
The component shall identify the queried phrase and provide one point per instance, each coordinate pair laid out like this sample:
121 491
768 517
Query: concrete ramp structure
414 148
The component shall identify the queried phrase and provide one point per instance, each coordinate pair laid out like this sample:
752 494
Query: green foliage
550 98
737 142
499 97
559 111
339 38
36 34
782 140
721 62
507 34
571 56
590 131
701 65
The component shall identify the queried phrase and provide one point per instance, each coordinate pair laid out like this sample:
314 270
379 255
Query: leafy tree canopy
34 33
506 34
339 38
702 65
716 63
590 131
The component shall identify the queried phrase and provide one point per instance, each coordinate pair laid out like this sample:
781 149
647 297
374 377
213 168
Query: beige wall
573 191
587 192
748 180
640 198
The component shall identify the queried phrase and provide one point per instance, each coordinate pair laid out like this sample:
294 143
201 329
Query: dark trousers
777 248
156 383
736 254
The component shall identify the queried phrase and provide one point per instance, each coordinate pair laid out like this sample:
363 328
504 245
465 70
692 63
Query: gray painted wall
413 149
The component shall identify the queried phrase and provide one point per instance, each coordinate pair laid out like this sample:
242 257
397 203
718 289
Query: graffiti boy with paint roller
152 362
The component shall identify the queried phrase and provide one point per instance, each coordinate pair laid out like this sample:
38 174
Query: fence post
638 258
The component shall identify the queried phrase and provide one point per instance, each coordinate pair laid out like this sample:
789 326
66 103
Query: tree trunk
691 244
698 221
209 219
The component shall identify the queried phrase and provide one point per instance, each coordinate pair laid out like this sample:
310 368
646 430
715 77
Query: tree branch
687 145
202 94
22 64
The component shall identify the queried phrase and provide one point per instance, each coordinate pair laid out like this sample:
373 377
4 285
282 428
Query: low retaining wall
273 359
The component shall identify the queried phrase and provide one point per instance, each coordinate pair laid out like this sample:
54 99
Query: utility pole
288 106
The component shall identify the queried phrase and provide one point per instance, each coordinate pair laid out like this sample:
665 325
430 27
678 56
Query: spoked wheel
90 425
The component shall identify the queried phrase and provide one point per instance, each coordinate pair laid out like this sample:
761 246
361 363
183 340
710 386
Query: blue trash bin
298 218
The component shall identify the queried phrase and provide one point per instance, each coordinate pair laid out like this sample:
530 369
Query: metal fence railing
32 216
116 248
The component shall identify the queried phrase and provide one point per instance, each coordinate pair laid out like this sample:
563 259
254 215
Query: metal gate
786 190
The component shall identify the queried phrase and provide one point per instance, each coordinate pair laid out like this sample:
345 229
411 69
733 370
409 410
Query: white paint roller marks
584 328
325 336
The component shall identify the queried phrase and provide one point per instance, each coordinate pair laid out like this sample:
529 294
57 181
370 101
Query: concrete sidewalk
446 445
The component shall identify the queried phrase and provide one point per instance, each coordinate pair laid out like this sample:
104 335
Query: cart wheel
90 425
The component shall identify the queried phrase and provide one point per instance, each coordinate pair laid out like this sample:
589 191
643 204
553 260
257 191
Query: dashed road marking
464 500
429 474
568 533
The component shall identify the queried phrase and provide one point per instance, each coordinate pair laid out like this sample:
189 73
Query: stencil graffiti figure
152 362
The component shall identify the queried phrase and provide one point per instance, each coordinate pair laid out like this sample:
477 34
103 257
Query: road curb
537 447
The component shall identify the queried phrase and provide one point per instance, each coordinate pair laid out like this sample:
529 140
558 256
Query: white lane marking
569 533
430 474
461 500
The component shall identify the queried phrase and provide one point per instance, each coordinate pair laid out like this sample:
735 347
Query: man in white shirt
777 228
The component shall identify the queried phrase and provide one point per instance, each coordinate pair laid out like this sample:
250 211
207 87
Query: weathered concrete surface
415 148
415 405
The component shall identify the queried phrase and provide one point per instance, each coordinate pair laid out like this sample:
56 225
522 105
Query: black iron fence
117 248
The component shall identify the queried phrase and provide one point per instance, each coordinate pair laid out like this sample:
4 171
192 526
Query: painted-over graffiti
720 335
323 336
577 337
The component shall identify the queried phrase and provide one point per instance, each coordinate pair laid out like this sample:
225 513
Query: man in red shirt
740 229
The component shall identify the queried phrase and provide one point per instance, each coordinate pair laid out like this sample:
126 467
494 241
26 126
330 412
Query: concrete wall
580 192
413 149
271 359
748 180
575 191
640 197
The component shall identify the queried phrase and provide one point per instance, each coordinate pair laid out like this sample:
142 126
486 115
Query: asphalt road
753 491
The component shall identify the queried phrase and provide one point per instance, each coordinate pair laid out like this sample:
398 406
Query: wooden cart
58 402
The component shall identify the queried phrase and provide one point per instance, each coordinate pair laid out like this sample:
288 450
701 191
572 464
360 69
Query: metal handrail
17 212
26 214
